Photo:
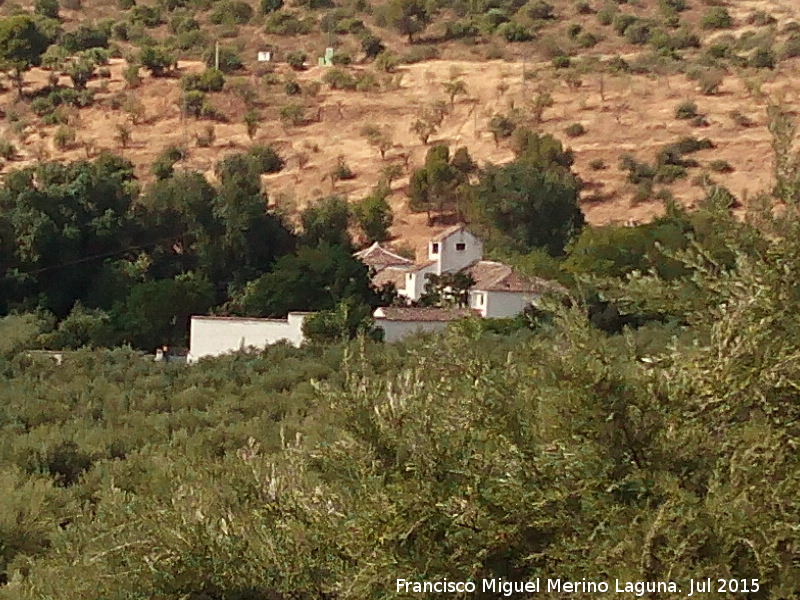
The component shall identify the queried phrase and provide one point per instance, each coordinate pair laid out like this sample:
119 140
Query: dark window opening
435 248
461 246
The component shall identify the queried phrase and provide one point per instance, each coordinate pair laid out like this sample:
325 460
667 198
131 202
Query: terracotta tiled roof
494 276
448 232
392 313
378 257
422 265
393 275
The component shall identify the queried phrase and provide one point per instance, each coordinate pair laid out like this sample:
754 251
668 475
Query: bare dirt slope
621 114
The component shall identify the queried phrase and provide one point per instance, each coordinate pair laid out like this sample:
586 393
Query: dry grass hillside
621 113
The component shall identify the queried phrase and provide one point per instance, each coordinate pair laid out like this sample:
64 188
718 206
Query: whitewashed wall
415 282
507 304
450 259
213 336
394 331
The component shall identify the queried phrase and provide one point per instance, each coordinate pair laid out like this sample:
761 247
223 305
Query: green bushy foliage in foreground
666 452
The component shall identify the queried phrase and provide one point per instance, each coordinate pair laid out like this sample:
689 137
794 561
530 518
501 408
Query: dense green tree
615 251
315 278
21 46
327 221
374 214
528 203
66 219
348 319
157 312
439 185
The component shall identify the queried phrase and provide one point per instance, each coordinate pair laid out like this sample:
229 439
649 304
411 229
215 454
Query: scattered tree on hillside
456 87
374 215
157 59
531 202
252 121
378 137
123 134
21 46
408 17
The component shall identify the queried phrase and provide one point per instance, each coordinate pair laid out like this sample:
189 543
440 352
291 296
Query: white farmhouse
499 291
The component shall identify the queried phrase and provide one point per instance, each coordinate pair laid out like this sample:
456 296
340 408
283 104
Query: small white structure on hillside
213 336
400 322
498 291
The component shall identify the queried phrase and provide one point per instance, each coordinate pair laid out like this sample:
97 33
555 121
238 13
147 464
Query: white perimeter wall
209 336
397 330
507 304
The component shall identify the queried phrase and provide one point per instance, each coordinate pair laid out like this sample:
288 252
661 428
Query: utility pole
216 55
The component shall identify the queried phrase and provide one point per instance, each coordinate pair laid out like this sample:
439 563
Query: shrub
210 80
46 8
131 75
293 114
710 81
501 126
598 164
371 45
420 53
270 6
192 103
539 9
231 12
457 30
791 47
762 58
64 137
668 6
686 110
85 37
282 22
7 150
740 119
387 62
605 16
292 88
575 130
582 7
587 40
297 59
157 59
562 62
638 33
207 137
148 16
622 21
341 58
340 79
717 17
162 167
514 32
341 171
761 18
229 60
183 24
720 166
266 159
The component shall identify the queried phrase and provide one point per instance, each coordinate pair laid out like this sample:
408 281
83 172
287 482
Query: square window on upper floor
461 246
